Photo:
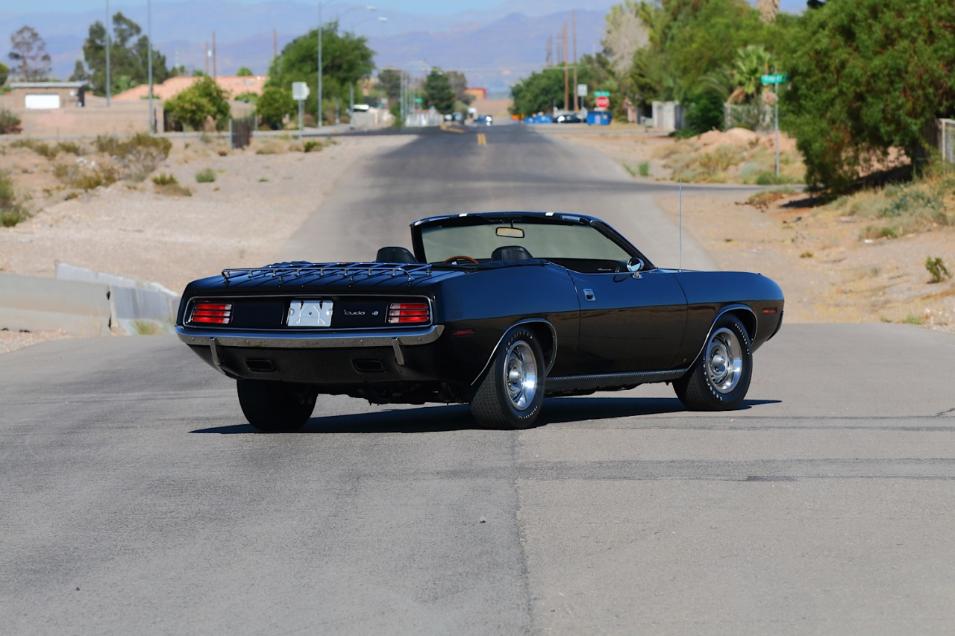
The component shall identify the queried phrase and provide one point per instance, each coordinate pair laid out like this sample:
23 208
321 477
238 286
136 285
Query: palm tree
751 63
768 9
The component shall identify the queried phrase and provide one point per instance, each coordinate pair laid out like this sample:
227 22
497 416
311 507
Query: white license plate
310 313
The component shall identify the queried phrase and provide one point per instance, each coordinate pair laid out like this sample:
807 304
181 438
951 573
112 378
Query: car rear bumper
320 358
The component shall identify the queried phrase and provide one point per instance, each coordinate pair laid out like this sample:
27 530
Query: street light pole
149 63
318 122
109 87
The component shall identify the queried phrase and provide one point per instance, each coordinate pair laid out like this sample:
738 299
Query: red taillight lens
409 314
209 313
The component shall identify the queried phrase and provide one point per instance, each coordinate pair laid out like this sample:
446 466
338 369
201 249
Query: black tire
492 405
700 390
276 407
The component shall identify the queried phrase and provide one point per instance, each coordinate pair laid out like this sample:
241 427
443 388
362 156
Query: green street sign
601 93
419 100
776 78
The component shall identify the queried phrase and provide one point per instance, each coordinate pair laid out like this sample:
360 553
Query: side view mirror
635 264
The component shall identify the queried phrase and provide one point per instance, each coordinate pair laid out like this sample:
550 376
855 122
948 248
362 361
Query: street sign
300 91
601 93
602 102
774 79
581 90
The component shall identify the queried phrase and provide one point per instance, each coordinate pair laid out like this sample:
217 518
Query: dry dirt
255 204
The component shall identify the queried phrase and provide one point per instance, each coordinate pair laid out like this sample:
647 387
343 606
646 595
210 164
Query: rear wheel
276 407
720 378
512 392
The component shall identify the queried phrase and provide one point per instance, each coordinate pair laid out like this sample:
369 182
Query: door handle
590 295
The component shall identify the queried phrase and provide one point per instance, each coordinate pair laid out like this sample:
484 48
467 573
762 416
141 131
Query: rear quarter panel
489 301
707 293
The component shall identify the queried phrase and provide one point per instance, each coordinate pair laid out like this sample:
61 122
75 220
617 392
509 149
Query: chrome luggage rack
292 272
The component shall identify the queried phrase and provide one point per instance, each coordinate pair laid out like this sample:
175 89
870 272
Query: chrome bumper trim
309 340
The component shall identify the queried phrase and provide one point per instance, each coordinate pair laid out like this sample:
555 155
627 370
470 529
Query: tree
868 76
459 85
273 106
390 81
768 9
198 104
752 62
28 53
129 51
4 73
539 92
438 92
624 33
244 71
346 59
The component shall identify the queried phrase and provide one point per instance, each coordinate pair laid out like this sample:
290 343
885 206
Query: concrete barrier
33 304
136 307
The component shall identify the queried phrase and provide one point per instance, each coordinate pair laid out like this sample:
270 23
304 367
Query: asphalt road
134 498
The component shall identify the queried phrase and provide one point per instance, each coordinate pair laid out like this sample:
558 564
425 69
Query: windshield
551 241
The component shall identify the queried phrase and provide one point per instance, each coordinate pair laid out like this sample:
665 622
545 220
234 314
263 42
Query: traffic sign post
300 93
581 90
775 80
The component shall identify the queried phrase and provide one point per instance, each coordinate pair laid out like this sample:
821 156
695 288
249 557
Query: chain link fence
946 139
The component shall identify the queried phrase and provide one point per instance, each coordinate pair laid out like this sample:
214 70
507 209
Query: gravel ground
255 204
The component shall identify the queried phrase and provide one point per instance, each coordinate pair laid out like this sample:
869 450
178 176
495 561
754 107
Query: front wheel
720 378
276 407
512 392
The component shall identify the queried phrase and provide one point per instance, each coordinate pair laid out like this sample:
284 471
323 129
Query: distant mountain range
494 47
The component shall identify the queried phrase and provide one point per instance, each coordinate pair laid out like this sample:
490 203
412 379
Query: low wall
118 119
31 303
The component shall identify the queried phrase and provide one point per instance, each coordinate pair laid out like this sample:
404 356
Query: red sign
602 102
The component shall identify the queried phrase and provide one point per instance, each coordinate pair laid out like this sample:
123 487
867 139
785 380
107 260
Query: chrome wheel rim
724 360
520 375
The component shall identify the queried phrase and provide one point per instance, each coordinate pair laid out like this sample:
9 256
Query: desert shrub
273 106
39 147
874 232
208 175
199 104
937 269
168 184
644 169
9 122
69 147
11 212
771 178
137 156
313 145
86 174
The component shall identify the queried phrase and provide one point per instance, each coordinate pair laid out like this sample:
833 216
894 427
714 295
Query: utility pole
215 73
149 64
205 57
573 17
275 44
776 91
549 59
318 121
109 88
566 77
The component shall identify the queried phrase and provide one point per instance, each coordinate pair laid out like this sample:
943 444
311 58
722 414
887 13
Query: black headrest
395 255
510 253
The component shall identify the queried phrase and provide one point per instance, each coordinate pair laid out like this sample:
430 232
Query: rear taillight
409 314
210 313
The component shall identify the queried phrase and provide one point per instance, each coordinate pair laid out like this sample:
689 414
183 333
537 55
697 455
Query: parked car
484 120
567 118
493 309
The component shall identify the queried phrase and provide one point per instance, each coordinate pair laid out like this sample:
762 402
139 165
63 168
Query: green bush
273 106
704 112
644 168
207 175
165 179
137 156
199 104
9 122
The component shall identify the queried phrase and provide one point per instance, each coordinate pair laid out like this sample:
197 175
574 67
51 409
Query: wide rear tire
511 393
276 407
719 380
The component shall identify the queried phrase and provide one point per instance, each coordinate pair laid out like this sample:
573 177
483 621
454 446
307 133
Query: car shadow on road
438 419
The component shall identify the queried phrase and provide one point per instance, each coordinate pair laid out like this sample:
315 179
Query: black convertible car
494 309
